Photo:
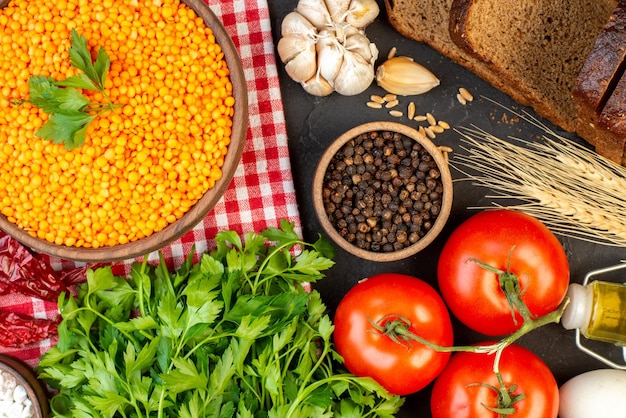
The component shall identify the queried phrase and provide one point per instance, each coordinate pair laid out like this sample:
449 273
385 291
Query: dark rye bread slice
596 83
539 45
611 132
427 21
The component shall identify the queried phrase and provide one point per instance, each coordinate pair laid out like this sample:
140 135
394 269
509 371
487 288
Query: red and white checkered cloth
262 190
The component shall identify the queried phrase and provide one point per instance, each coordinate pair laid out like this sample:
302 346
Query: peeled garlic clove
329 56
303 66
404 77
316 12
291 45
355 75
295 23
318 86
362 12
337 9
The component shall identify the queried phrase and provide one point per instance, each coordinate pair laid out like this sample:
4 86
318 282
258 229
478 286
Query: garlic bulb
324 47
403 76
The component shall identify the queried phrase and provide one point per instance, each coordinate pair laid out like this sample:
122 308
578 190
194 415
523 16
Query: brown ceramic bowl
178 228
400 253
25 377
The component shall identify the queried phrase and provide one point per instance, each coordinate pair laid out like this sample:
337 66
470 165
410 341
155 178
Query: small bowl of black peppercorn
382 191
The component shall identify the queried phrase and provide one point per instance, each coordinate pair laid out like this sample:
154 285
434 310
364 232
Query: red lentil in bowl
150 169
382 191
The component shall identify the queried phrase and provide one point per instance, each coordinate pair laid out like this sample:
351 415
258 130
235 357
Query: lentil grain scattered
143 165
382 191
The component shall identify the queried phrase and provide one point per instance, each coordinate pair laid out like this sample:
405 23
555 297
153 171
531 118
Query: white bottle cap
578 311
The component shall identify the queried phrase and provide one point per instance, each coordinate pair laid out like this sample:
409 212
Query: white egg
598 393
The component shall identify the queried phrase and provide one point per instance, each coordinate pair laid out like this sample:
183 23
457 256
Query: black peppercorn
382 191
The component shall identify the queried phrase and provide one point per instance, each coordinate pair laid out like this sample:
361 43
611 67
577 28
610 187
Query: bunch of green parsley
232 335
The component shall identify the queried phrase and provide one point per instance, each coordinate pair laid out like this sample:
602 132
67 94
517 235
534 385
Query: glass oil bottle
597 310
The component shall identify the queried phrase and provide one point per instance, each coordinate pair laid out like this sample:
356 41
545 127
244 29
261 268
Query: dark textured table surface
314 122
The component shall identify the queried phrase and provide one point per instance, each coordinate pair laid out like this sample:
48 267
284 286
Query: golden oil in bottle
598 310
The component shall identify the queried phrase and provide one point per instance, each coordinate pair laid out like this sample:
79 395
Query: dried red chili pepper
25 273
20 330
22 272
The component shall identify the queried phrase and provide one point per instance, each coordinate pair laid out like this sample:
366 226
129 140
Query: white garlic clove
362 12
326 34
355 75
303 66
374 52
318 86
295 23
358 43
344 30
292 45
338 9
315 11
329 56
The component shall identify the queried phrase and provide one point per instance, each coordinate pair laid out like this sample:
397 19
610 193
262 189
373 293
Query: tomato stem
510 285
397 328
505 398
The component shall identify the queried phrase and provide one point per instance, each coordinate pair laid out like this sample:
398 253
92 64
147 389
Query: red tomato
460 391
400 367
502 239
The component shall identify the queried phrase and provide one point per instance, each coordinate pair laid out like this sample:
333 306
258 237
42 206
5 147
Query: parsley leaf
70 112
80 58
80 81
230 335
69 128
41 90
